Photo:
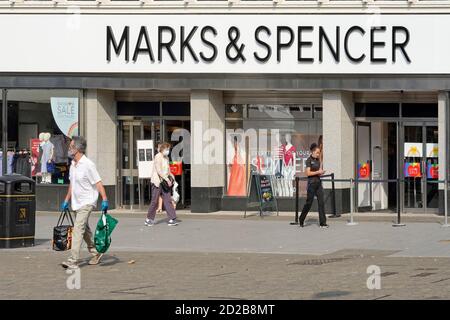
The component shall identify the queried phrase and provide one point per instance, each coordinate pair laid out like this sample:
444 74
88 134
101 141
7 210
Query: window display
276 143
40 125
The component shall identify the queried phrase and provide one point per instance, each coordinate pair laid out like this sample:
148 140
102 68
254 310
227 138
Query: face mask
166 152
71 153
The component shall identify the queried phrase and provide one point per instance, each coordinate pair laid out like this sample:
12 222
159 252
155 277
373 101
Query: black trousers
314 189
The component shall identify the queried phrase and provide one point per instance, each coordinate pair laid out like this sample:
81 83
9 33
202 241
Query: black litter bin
17 211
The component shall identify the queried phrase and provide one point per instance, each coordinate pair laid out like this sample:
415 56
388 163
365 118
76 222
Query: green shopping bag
105 227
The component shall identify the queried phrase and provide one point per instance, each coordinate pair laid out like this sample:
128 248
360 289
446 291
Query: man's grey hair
80 144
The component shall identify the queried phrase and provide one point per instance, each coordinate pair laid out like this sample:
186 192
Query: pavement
263 235
229 257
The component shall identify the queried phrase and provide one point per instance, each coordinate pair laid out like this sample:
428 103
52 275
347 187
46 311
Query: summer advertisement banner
412 170
65 113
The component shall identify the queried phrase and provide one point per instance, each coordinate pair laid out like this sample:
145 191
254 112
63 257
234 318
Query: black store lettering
184 44
262 43
124 41
209 44
400 45
283 45
347 36
143 35
374 44
301 44
335 51
167 45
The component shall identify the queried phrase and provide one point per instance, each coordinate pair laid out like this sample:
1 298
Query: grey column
207 150
338 142
443 123
101 133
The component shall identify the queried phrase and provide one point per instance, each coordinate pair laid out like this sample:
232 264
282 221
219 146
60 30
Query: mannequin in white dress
47 157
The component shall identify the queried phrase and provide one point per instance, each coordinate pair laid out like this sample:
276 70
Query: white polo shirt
83 178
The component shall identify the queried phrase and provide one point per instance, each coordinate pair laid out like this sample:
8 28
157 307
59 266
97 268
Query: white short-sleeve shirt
83 179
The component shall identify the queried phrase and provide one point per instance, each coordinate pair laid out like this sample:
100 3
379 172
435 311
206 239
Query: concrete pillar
338 142
100 133
443 122
207 150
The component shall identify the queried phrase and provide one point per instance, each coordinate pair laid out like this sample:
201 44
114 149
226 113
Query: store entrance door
376 160
420 167
174 131
129 133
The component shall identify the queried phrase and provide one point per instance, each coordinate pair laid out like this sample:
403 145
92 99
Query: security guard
314 171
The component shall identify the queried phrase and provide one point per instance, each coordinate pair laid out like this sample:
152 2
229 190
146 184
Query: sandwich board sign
260 193
145 158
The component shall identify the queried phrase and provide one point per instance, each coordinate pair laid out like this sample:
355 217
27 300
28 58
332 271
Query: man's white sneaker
149 222
172 222
70 264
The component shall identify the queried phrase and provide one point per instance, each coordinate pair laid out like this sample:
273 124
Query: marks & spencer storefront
236 93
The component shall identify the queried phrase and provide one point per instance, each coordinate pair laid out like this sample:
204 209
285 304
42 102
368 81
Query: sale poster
432 171
412 170
432 150
363 170
34 147
413 149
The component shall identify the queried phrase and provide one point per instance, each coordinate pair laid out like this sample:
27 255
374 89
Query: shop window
285 111
420 110
318 111
176 109
138 108
377 110
277 147
234 111
40 125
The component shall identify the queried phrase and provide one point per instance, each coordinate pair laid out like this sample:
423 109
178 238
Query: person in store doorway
161 176
85 185
160 199
313 172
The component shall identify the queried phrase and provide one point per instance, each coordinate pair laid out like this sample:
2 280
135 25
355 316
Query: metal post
297 180
4 132
351 223
398 224
446 225
333 198
139 194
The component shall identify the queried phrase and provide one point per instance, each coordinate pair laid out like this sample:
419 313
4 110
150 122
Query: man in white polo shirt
85 185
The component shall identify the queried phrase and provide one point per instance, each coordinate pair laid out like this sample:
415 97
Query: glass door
432 167
151 130
364 166
177 133
129 133
420 167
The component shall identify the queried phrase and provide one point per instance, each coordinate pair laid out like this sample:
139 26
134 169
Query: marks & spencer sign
227 43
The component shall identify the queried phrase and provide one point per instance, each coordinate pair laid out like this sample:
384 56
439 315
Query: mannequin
236 183
289 152
47 156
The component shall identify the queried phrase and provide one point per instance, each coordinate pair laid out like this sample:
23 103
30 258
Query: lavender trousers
167 200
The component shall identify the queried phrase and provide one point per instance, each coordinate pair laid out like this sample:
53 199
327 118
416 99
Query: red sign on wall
412 170
34 147
176 168
363 170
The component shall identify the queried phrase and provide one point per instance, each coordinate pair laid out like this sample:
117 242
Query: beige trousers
81 231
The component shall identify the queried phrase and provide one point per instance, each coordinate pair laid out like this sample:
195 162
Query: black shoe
334 216
301 224
324 226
